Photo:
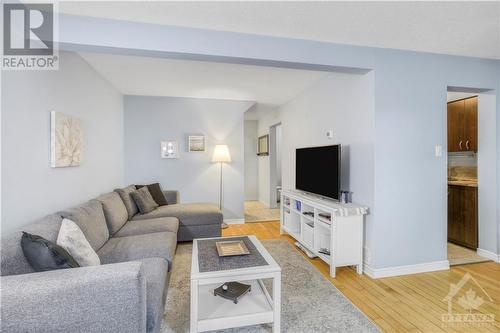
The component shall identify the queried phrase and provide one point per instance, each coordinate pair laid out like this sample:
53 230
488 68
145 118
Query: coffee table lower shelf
215 312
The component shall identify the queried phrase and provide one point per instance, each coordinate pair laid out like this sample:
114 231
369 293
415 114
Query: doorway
267 208
469 177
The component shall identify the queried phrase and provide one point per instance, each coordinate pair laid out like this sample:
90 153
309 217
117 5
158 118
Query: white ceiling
458 27
198 79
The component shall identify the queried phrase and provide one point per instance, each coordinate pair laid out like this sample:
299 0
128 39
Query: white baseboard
234 221
376 273
488 254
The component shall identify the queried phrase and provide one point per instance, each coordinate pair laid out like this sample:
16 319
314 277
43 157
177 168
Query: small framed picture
263 145
196 143
169 149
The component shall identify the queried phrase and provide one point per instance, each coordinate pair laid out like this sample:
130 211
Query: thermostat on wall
329 134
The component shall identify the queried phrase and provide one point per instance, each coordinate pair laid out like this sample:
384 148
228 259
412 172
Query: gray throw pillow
127 199
144 200
156 193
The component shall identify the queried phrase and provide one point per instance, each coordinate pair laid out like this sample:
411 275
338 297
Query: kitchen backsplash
462 159
462 166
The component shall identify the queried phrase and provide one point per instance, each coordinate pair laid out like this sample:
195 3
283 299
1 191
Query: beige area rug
458 255
309 302
256 211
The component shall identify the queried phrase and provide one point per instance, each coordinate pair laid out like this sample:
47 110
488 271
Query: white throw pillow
72 239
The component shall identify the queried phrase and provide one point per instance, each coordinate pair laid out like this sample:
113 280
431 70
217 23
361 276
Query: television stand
323 226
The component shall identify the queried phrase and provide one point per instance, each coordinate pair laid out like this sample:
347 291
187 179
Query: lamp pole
221 155
221 196
220 188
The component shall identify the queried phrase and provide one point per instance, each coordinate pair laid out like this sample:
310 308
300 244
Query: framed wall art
263 145
196 143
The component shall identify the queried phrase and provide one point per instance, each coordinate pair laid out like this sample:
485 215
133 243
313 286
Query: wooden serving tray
231 248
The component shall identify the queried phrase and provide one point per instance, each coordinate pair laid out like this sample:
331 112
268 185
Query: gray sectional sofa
126 293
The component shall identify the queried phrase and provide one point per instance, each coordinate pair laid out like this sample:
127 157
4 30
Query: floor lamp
221 155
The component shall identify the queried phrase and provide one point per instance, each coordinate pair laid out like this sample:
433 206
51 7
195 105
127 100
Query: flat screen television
317 170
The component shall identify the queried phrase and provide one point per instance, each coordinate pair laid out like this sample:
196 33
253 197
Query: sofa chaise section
196 220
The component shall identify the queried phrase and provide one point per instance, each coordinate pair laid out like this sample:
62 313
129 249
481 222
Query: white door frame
273 181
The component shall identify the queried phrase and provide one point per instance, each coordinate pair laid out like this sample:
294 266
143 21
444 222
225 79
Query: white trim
376 273
234 221
488 254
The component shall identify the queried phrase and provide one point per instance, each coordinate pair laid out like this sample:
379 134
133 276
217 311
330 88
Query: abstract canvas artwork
66 140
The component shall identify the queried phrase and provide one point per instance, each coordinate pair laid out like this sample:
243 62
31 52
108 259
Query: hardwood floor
411 303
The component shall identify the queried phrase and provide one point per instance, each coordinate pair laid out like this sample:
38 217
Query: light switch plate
329 134
438 150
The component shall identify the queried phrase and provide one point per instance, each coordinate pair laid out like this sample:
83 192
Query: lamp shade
221 154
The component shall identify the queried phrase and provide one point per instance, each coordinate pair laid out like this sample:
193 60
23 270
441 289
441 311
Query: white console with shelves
327 229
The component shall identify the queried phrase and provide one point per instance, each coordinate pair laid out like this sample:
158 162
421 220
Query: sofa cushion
127 199
72 239
155 274
156 193
120 249
142 227
114 210
90 218
144 200
12 259
188 214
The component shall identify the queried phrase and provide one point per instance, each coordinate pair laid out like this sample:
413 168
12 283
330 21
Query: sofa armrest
106 298
172 196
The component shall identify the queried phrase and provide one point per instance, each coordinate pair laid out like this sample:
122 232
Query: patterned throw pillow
72 239
144 200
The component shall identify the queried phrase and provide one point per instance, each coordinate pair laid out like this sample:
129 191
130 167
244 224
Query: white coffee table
209 312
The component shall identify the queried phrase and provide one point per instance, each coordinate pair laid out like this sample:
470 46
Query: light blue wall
410 95
410 99
150 120
30 187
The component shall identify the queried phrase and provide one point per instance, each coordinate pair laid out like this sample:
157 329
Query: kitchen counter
465 182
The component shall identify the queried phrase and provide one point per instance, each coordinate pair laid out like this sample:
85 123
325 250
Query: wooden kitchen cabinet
462 125
470 126
462 216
